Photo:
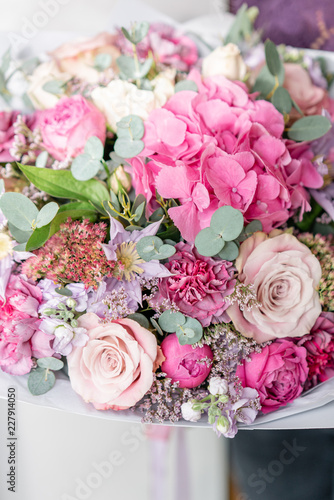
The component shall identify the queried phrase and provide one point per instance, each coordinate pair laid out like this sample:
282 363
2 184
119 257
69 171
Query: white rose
226 61
164 86
44 73
188 413
218 385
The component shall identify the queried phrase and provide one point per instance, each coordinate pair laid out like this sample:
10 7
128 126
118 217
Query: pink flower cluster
219 146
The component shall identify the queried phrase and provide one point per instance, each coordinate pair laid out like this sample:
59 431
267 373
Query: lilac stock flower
65 336
51 298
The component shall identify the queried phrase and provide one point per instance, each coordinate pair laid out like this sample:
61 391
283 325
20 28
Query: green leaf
141 319
241 28
40 381
190 332
19 210
309 128
47 214
66 292
227 222
148 247
61 184
208 243
282 100
266 82
94 148
138 32
42 159
170 321
38 238
156 326
127 148
102 61
51 363
139 211
126 65
20 248
84 167
5 61
165 251
18 235
230 251
186 85
55 87
273 60
130 127
171 233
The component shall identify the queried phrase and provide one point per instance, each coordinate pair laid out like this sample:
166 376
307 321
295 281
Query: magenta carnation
278 373
320 350
219 146
20 337
198 285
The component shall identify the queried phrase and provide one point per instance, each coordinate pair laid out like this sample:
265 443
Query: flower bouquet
167 224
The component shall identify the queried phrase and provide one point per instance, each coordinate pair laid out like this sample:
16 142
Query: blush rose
114 370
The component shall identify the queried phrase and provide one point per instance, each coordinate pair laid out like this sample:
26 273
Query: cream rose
44 73
226 61
78 58
114 370
285 275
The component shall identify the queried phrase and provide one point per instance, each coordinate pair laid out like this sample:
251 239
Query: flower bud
222 425
120 176
71 303
217 385
188 413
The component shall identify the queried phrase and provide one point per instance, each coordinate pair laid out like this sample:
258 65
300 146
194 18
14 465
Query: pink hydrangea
198 285
219 146
20 337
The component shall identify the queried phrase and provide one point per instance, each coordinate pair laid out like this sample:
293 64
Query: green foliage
186 85
153 248
188 330
130 131
309 128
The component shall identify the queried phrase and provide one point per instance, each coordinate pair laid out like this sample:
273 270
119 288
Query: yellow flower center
6 247
128 256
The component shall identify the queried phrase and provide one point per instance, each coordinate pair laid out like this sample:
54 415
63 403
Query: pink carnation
278 373
319 345
66 128
7 132
198 285
184 364
217 147
20 337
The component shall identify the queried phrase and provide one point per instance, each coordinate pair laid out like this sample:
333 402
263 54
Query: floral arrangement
167 224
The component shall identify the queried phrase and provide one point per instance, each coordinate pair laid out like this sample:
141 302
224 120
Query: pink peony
168 46
319 345
66 127
184 364
114 370
219 146
278 373
20 337
198 285
285 275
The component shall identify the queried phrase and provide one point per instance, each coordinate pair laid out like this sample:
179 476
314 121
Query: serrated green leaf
61 184
19 210
186 85
309 128
208 243
169 321
47 214
40 382
51 363
227 222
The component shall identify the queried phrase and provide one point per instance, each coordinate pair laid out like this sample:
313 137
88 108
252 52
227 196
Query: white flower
226 61
218 385
6 246
188 413
222 425
45 72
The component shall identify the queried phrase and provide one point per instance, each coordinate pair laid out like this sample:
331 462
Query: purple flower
51 298
65 336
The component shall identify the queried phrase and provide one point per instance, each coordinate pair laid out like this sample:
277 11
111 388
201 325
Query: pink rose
66 127
20 337
184 364
285 275
114 370
78 58
319 345
278 373
198 285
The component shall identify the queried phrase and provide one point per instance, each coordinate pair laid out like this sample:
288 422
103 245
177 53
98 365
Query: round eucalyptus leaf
228 222
156 326
126 66
230 251
94 148
170 321
51 363
84 167
148 247
55 87
18 235
141 319
19 210
102 61
208 243
186 85
166 251
127 148
42 159
139 211
190 332
40 381
130 127
47 214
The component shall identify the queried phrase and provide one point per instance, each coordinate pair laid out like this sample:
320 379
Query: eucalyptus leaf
148 247
127 148
190 332
230 251
18 235
309 128
130 127
19 210
114 201
227 222
143 68
186 85
139 211
42 159
5 61
138 32
94 148
165 251
273 60
170 321
208 243
282 100
141 319
20 248
55 87
156 326
102 61
51 363
40 381
126 65
84 167
47 214
66 292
